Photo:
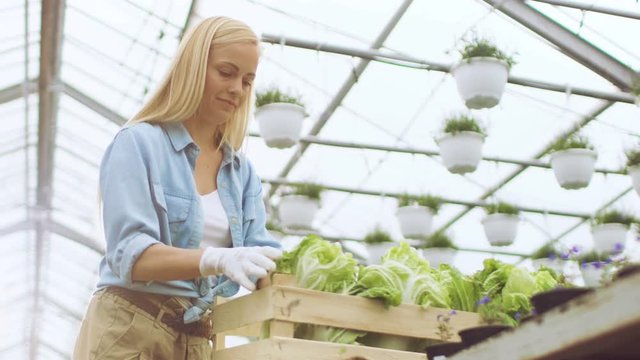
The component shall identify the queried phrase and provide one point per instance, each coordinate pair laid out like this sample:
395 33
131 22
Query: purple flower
485 299
517 315
619 247
597 264
638 238
551 256
575 249
452 312
565 256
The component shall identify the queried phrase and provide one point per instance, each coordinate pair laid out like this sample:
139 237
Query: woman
174 168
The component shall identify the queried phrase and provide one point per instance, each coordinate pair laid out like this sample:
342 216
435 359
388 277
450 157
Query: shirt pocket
176 207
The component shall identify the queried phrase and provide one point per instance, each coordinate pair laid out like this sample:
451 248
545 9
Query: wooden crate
283 304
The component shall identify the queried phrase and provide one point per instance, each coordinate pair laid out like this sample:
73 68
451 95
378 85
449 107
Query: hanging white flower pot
634 172
377 250
609 238
461 151
439 255
500 229
555 264
481 81
297 211
280 124
415 221
593 274
573 168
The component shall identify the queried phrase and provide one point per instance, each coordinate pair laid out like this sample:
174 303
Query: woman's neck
204 135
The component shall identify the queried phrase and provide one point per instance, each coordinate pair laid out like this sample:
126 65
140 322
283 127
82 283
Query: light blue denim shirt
149 197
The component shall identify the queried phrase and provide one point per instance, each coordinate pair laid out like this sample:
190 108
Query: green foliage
429 201
479 47
275 96
439 240
615 216
377 236
546 251
635 88
633 156
572 142
459 123
312 191
502 208
591 256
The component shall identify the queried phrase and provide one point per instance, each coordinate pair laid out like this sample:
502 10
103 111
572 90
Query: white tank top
216 224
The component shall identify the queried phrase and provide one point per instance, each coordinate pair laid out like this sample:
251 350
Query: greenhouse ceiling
375 78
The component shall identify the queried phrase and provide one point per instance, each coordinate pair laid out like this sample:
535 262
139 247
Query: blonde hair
179 94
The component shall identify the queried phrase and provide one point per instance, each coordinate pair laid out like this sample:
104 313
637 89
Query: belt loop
159 317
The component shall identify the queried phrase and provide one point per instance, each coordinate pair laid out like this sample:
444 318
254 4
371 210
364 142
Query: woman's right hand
239 264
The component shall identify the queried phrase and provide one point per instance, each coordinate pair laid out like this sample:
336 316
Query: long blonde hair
179 94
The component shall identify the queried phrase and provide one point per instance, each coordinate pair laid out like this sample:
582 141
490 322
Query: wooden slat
353 312
281 328
243 311
584 327
287 349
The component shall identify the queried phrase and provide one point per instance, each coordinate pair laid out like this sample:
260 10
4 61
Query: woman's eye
246 83
225 73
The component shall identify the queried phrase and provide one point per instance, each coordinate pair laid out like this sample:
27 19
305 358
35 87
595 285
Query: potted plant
548 256
609 231
439 249
482 73
593 268
573 161
298 206
279 118
461 144
415 215
633 167
501 223
378 243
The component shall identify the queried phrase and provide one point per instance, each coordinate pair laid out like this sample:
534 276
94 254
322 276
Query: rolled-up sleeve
256 233
130 220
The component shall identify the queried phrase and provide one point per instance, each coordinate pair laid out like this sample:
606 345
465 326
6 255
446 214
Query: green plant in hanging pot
550 257
573 161
439 249
299 205
609 231
482 73
279 117
378 242
595 268
461 144
501 223
633 166
415 215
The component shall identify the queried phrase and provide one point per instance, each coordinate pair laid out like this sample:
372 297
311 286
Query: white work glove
238 264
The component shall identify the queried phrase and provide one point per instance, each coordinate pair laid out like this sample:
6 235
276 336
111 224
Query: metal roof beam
569 43
344 90
384 56
16 91
469 204
414 151
94 105
592 8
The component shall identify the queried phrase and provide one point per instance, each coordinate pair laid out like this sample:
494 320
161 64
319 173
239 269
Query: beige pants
113 328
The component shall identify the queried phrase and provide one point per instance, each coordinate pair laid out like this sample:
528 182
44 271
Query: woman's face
230 72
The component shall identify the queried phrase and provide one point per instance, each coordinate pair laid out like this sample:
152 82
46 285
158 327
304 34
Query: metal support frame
52 25
440 67
344 90
93 104
17 91
569 43
413 151
591 8
469 204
